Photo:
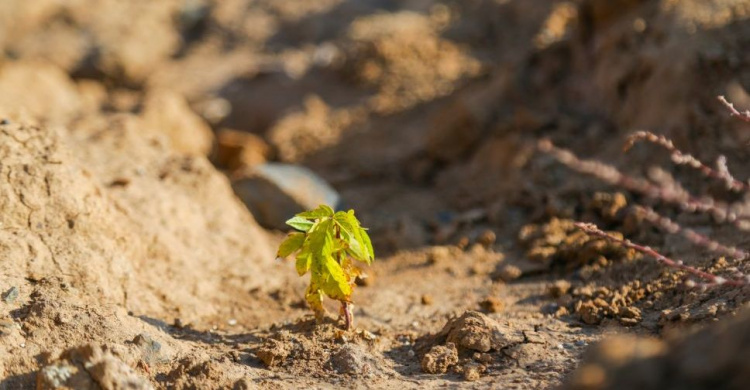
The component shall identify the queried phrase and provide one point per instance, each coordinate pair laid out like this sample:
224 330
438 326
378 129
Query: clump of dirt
465 339
324 349
559 243
440 358
89 367
710 358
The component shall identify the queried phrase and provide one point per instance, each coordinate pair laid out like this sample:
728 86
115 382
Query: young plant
326 246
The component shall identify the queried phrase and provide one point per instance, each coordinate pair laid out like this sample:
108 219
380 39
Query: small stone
473 371
149 347
273 352
275 191
630 312
427 299
232 322
55 376
478 332
509 273
487 238
492 305
244 384
484 358
4 121
589 313
351 359
558 288
11 295
440 358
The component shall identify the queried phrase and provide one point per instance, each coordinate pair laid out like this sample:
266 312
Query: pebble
11 295
581 343
273 192
232 322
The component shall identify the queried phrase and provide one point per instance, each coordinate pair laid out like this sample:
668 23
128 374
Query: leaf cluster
327 245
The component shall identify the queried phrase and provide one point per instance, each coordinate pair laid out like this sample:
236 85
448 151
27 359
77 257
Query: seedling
327 245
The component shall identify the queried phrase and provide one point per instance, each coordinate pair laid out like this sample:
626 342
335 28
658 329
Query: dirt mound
305 347
464 343
90 367
115 220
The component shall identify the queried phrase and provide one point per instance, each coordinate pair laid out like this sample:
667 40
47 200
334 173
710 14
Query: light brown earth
126 261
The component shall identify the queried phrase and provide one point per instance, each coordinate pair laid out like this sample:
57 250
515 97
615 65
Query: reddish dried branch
745 116
681 158
712 279
669 192
696 238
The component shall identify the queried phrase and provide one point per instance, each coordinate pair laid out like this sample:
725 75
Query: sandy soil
128 261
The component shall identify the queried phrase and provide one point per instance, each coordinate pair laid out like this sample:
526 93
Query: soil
128 261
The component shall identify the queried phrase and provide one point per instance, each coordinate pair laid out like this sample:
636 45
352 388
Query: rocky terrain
150 152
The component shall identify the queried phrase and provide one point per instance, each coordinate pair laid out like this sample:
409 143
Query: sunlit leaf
321 212
291 244
303 263
335 283
300 223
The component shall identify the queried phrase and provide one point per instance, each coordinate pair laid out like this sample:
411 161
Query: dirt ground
128 262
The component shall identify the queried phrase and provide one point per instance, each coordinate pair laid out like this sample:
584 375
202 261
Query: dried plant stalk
711 279
680 158
669 192
696 238
745 116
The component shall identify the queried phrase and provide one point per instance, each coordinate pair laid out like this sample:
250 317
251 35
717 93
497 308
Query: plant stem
346 309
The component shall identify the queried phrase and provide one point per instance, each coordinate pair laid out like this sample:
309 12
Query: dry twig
711 279
669 191
745 116
696 238
681 158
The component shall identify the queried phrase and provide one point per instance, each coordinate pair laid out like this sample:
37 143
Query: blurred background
413 111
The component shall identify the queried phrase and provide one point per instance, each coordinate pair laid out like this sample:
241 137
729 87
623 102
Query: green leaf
359 242
368 244
303 263
314 297
300 223
291 244
335 283
321 212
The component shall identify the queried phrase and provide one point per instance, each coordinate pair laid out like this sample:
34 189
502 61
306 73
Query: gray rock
11 295
352 359
150 348
274 192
